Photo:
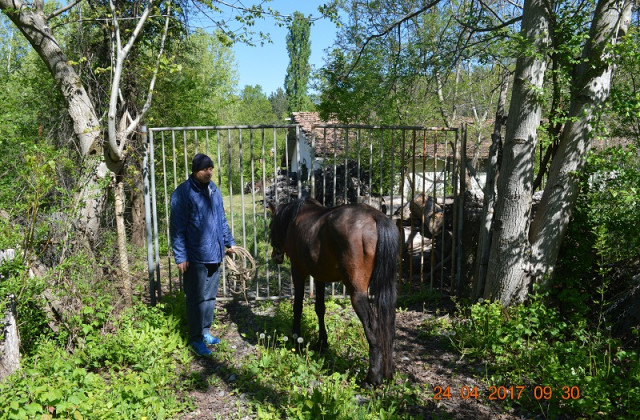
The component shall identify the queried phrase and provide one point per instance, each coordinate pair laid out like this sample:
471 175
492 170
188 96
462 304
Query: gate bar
147 210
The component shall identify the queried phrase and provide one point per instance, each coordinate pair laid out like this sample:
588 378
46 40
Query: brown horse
355 244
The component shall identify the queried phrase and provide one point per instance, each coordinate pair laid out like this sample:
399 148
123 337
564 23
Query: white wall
301 155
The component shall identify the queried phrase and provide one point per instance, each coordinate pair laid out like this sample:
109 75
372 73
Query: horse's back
344 242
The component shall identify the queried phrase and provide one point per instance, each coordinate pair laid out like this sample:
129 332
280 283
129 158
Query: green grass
234 204
287 379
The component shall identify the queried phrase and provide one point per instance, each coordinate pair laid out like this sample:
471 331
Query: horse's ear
272 208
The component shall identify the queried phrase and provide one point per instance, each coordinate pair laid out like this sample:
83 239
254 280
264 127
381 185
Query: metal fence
386 167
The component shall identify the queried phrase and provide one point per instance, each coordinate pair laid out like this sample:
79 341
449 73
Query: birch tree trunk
510 249
591 82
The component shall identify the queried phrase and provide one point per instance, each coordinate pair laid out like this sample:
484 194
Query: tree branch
62 9
152 84
490 28
117 143
387 30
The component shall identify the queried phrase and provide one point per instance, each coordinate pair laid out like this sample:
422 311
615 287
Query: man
199 235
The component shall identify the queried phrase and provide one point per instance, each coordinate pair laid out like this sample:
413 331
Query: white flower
480 300
262 336
285 338
300 340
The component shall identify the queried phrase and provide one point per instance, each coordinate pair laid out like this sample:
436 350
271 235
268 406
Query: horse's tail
383 288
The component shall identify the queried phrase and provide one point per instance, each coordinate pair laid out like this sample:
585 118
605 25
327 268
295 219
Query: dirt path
424 360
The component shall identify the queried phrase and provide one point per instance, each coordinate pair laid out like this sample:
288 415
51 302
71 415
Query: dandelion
300 340
285 338
262 336
480 300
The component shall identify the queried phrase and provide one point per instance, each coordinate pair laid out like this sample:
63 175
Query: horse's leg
360 302
320 310
298 298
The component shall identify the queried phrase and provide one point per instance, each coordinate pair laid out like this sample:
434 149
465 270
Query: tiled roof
328 139
322 145
335 138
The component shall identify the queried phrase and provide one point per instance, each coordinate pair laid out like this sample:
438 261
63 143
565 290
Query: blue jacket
198 227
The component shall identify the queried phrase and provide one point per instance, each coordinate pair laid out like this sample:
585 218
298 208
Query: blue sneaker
200 348
211 340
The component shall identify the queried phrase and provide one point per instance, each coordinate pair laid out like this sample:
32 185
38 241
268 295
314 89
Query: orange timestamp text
501 393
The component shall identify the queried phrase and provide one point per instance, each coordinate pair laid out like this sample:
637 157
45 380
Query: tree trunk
509 256
122 239
484 236
137 212
10 345
592 81
32 23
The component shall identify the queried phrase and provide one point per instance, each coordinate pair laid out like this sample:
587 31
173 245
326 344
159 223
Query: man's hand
231 250
183 266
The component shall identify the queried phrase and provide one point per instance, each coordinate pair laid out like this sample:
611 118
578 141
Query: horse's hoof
369 385
320 346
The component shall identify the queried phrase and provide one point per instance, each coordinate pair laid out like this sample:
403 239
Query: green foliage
611 202
15 281
603 235
623 115
254 107
131 372
531 344
27 115
396 75
197 86
279 104
10 234
362 97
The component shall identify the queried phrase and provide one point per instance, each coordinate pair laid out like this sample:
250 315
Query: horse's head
276 237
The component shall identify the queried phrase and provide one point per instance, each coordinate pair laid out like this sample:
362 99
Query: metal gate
388 167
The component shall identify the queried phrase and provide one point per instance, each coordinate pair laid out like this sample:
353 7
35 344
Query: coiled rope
241 267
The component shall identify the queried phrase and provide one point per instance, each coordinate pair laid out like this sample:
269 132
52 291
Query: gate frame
151 215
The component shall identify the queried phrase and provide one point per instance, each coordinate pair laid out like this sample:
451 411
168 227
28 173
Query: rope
241 267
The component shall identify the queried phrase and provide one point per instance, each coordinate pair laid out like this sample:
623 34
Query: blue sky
267 65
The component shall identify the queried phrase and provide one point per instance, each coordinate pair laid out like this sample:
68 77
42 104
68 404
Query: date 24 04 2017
500 393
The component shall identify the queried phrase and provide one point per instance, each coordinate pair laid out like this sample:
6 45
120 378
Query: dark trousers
200 287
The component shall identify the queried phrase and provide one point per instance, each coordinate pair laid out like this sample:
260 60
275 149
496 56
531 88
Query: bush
601 251
531 345
133 372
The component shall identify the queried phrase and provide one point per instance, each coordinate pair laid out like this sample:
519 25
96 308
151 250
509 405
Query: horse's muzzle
277 256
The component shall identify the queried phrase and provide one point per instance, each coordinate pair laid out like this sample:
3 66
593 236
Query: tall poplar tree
299 69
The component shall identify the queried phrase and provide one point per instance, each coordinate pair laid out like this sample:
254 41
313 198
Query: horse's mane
284 215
